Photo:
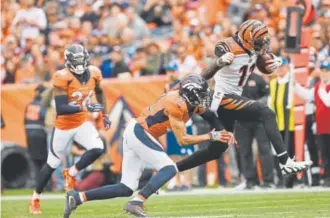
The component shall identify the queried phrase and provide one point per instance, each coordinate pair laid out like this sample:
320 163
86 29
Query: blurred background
141 47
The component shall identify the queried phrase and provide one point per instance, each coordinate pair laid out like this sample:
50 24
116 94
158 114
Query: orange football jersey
79 93
155 120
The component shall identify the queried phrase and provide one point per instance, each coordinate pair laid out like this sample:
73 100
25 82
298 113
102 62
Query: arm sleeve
306 94
213 120
63 107
325 97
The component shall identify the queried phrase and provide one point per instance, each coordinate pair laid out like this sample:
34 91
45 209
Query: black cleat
70 204
135 208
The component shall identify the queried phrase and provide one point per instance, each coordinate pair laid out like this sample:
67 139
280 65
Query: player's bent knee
216 149
267 113
125 191
170 170
53 162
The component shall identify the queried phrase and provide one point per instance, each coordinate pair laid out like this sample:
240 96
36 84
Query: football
261 62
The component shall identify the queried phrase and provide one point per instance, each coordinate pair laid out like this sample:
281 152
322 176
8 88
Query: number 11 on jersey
245 72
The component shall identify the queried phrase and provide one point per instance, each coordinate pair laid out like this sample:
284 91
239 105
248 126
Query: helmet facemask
76 63
261 45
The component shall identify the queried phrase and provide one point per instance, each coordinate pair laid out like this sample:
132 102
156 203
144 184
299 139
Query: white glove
221 136
225 59
273 64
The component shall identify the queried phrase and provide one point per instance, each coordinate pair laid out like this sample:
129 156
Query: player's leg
132 169
245 109
88 137
212 152
150 151
60 139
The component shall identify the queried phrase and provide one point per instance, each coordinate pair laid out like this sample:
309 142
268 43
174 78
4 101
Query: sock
108 192
283 157
136 198
88 157
35 195
73 171
43 177
157 181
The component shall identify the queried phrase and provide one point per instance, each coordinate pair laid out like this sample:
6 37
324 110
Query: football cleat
70 204
135 208
69 181
35 206
292 167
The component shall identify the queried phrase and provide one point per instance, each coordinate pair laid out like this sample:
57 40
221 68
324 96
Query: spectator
321 95
157 13
89 14
256 89
139 64
285 117
118 64
156 59
29 20
136 24
34 120
186 63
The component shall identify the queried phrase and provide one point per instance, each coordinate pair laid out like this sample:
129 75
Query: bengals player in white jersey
236 58
73 88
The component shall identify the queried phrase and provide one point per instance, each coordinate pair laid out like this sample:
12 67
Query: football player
73 88
141 146
236 58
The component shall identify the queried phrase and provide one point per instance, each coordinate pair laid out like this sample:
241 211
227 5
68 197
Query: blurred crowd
131 38
134 38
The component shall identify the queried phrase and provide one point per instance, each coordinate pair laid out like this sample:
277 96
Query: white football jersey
230 79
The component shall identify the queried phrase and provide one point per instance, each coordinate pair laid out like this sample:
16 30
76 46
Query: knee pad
216 149
125 190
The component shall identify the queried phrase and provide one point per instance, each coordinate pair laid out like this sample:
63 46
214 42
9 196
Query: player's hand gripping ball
267 63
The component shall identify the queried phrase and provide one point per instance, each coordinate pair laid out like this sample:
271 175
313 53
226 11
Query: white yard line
197 192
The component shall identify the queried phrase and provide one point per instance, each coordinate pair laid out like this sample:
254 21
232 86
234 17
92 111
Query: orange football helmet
254 36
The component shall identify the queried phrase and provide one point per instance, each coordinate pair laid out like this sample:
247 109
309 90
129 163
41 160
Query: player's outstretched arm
224 57
179 130
62 103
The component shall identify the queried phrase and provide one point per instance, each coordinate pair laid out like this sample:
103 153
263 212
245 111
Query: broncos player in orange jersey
236 58
141 146
73 88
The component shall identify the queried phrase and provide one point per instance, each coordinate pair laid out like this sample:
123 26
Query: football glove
94 107
221 136
106 121
273 64
232 141
225 59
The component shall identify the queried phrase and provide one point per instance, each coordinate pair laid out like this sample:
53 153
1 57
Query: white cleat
292 167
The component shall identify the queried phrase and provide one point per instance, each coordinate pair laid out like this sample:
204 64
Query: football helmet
254 36
76 58
195 90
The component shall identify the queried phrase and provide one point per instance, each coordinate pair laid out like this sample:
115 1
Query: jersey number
78 95
244 73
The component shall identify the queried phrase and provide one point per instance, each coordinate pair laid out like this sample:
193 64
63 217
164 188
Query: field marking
243 203
194 192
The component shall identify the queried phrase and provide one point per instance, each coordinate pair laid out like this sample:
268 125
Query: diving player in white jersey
236 57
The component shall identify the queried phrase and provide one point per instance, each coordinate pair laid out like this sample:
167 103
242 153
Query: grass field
283 204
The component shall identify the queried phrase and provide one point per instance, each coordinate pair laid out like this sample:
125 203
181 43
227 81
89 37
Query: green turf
300 205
